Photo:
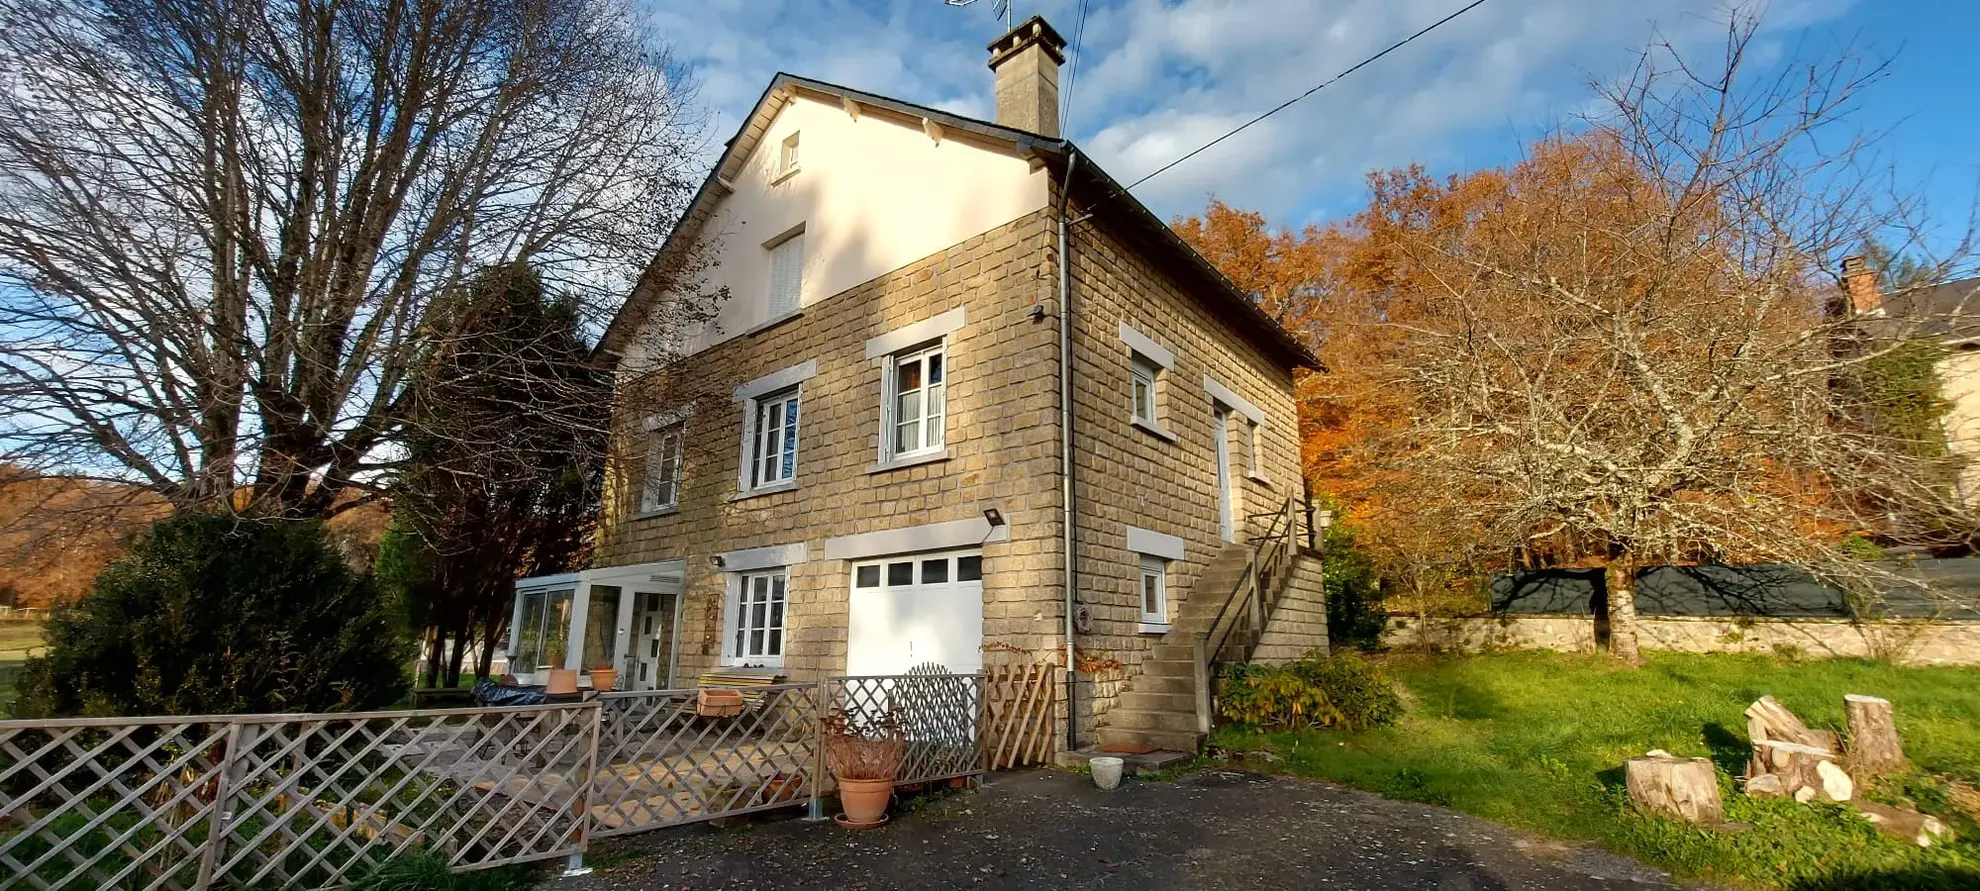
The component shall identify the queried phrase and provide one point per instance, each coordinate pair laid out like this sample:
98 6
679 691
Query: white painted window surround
1141 343
749 559
915 362
772 419
1233 401
881 346
1149 364
947 536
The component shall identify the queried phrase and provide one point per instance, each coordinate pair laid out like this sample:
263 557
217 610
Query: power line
1474 4
1072 76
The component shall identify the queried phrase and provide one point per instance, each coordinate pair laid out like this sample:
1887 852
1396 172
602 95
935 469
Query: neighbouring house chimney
1026 62
1861 286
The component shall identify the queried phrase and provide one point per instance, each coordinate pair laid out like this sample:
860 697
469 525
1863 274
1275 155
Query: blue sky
1155 79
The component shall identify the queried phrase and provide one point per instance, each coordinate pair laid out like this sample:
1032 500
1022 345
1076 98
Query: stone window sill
667 511
1154 628
762 327
1259 478
1155 430
771 489
910 461
786 175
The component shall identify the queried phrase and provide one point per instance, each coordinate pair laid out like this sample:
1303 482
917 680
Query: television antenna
999 7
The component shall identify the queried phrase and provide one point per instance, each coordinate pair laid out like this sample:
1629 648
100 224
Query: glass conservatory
627 617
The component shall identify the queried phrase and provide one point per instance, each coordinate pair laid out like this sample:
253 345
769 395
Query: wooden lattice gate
1019 701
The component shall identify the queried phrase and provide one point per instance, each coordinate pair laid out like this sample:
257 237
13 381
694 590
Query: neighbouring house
1950 313
861 464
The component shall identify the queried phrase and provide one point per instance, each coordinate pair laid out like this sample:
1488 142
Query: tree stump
1874 747
1686 788
1767 718
1801 772
1905 825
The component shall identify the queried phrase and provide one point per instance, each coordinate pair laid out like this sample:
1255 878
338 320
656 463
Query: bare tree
223 222
1627 348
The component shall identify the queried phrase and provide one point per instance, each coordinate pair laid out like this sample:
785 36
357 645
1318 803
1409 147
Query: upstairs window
772 452
664 458
916 400
786 275
787 159
1142 376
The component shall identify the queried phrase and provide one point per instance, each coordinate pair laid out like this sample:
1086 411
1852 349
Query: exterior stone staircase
1167 705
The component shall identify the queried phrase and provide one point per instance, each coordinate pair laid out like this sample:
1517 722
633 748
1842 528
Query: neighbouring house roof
1948 310
1091 185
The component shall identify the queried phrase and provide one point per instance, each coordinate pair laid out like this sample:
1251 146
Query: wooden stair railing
1250 604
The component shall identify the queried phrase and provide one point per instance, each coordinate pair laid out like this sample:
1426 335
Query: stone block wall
1130 476
1299 624
1908 642
1003 446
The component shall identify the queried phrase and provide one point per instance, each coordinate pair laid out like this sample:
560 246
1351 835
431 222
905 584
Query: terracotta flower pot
604 678
865 801
561 681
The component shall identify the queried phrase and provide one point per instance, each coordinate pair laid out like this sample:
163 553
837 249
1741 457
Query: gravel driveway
1047 829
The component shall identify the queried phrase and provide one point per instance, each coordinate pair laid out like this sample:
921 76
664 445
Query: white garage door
907 611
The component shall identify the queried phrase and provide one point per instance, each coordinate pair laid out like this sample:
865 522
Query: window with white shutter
786 275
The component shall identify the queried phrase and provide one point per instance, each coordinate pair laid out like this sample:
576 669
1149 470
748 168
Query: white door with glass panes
912 610
653 635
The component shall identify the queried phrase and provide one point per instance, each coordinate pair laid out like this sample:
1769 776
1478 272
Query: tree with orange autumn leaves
1621 350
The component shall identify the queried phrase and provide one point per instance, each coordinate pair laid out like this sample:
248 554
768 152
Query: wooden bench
743 679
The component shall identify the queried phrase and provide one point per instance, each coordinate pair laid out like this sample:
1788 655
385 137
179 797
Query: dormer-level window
787 159
786 275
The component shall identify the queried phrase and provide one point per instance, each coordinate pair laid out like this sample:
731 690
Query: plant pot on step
562 681
604 678
865 801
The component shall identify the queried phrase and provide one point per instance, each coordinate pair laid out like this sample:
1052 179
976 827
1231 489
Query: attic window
787 160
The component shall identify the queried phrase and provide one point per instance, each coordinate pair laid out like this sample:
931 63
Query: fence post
977 732
574 862
815 811
221 818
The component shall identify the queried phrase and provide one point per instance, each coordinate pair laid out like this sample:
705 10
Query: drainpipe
1066 452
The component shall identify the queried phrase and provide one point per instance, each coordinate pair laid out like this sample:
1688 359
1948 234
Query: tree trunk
461 637
1686 788
433 655
1904 825
1806 772
1874 747
484 665
1620 580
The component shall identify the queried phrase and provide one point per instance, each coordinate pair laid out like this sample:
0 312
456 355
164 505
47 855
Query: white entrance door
1220 431
653 640
912 610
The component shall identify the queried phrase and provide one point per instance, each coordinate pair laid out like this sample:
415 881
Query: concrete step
1162 684
1180 741
1171 668
1150 701
1135 765
1134 719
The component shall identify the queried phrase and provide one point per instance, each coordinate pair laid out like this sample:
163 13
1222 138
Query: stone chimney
1861 286
1026 62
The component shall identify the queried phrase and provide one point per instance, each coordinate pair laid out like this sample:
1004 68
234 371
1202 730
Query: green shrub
1340 691
423 871
214 614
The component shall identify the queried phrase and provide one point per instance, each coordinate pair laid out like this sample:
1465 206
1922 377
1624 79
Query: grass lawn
18 641
1538 740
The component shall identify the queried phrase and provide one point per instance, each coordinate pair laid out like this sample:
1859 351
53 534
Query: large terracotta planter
560 681
865 801
604 678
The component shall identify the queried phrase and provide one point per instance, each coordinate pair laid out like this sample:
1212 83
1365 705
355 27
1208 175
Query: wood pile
1791 760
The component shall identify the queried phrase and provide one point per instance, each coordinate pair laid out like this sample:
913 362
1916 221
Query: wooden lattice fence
314 801
1017 727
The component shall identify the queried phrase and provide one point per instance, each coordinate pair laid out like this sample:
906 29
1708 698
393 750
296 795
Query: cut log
1905 825
1799 767
1874 747
1768 719
1686 788
1765 785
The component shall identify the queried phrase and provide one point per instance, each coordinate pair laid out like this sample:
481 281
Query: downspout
1066 452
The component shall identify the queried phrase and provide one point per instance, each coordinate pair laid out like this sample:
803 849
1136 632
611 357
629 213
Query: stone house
861 463
1945 312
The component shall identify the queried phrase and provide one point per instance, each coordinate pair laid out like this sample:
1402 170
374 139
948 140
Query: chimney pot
1861 286
1026 62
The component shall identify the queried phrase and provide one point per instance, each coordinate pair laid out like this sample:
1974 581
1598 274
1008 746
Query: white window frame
1144 377
932 427
778 304
664 467
1153 569
787 155
739 621
756 436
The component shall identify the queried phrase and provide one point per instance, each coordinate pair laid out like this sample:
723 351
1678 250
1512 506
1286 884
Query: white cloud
1161 79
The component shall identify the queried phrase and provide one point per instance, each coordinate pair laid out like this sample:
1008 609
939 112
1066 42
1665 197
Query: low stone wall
1908 642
